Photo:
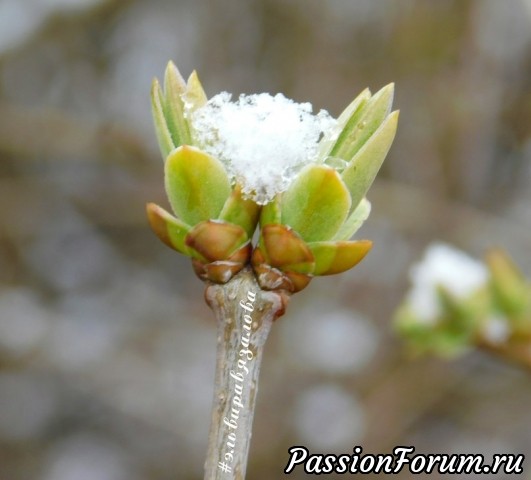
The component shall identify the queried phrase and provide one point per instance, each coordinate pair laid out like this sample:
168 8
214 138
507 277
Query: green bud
443 338
282 260
215 223
285 250
214 240
170 107
364 121
219 250
304 230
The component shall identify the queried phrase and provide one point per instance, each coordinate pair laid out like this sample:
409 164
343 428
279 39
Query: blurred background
106 346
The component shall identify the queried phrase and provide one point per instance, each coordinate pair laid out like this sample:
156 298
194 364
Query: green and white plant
456 303
261 163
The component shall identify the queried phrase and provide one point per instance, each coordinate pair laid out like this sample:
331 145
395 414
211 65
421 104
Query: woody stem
516 351
244 315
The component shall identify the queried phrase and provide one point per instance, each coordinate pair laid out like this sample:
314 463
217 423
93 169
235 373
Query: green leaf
169 229
161 127
174 89
336 257
196 183
241 211
360 174
364 123
346 121
316 204
355 106
195 96
354 221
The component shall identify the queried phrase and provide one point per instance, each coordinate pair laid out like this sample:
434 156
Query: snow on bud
447 267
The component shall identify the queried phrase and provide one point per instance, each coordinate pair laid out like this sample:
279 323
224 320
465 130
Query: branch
244 314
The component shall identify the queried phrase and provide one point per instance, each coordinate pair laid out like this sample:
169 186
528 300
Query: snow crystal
443 266
263 140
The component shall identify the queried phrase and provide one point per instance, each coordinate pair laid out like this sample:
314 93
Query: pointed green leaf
360 174
337 257
354 221
240 211
363 124
169 229
161 128
196 183
195 96
346 122
316 204
355 106
174 89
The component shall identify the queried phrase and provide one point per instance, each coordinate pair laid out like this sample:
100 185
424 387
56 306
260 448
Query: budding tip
394 115
173 77
152 214
153 211
193 77
171 66
155 87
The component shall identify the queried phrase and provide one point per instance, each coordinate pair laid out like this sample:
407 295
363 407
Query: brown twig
516 351
244 314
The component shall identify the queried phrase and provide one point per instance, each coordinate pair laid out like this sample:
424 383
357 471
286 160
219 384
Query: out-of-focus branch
516 352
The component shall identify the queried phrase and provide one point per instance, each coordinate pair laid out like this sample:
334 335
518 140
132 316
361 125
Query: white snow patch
496 329
444 266
263 140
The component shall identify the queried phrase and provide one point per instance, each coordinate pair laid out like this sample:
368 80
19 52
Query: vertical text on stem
246 355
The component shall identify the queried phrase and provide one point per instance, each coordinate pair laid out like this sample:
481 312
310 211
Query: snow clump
446 267
263 140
